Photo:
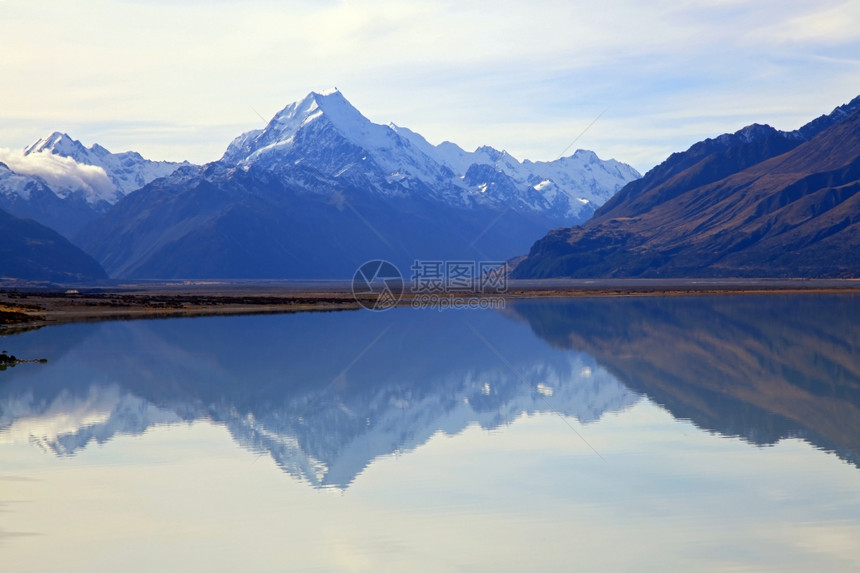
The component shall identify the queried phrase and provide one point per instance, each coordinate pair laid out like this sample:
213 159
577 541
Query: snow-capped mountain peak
330 107
53 164
63 184
127 171
327 133
58 143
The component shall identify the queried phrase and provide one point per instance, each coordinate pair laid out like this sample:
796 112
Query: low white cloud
62 174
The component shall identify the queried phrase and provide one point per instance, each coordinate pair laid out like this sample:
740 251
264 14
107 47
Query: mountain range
756 203
321 189
60 183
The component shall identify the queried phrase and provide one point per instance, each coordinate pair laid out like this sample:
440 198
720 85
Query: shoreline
22 309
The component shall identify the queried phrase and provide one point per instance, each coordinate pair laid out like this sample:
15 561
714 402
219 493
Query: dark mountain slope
229 223
746 209
31 251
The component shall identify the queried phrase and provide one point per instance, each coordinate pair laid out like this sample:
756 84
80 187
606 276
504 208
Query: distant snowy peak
452 155
582 178
127 171
582 175
58 144
325 132
331 121
62 176
279 134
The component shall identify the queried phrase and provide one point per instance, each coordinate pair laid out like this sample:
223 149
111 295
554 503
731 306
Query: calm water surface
637 434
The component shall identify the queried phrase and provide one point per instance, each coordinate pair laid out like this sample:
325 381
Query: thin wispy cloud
525 77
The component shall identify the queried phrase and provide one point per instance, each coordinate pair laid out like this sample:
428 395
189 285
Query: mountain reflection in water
327 393
759 367
322 393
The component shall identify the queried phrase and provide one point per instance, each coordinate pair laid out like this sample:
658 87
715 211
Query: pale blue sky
178 80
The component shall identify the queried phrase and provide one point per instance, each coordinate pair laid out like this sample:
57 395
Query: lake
689 433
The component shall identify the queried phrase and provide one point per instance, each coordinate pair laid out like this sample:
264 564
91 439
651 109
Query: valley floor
29 306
